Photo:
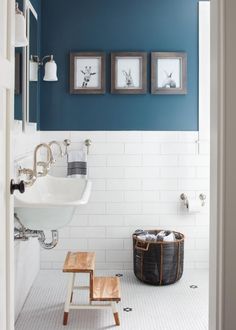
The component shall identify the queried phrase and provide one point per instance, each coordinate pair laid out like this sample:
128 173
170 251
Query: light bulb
20 29
50 71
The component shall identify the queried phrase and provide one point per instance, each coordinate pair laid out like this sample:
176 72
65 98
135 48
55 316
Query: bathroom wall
137 176
122 25
137 181
27 254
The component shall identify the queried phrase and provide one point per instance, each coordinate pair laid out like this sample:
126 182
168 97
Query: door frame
7 66
217 167
223 178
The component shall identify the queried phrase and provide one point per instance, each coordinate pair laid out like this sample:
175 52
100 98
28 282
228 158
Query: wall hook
66 143
87 143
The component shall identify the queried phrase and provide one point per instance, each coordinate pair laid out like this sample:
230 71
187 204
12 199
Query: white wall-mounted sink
51 202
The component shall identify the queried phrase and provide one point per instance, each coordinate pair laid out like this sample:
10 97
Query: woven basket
158 263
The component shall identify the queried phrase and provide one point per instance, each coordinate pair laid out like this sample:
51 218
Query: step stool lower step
106 289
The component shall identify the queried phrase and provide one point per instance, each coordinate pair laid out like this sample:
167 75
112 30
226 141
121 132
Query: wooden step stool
106 289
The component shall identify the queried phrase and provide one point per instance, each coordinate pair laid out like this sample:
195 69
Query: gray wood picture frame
170 83
142 76
74 56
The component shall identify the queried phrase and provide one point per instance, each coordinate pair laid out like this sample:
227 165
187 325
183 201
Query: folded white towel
77 156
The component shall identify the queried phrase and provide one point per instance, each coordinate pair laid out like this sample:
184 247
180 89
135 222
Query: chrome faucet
29 174
45 165
59 147
32 174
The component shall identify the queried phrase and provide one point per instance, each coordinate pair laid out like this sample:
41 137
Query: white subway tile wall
137 181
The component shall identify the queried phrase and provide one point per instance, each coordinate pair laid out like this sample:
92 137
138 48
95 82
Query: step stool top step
79 262
106 289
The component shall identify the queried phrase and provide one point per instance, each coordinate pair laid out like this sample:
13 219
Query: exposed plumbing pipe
23 234
42 240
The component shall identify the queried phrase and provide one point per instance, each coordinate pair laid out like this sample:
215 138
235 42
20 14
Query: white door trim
7 32
217 168
5 67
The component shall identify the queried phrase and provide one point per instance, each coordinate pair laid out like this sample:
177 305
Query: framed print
87 73
129 73
169 73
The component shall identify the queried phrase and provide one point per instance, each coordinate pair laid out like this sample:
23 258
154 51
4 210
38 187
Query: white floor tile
174 307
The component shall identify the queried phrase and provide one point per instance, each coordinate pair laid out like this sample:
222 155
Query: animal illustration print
128 79
87 75
169 82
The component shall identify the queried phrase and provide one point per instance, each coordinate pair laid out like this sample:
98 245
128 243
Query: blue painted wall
118 25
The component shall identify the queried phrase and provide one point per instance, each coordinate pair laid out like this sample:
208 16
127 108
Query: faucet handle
27 172
45 168
67 142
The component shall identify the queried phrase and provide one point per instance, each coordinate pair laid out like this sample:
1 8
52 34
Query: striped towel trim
79 168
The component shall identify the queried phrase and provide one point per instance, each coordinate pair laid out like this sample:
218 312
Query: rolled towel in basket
76 163
151 237
139 232
166 236
169 237
160 236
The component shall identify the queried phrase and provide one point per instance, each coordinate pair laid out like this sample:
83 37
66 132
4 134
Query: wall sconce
50 73
20 28
33 68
